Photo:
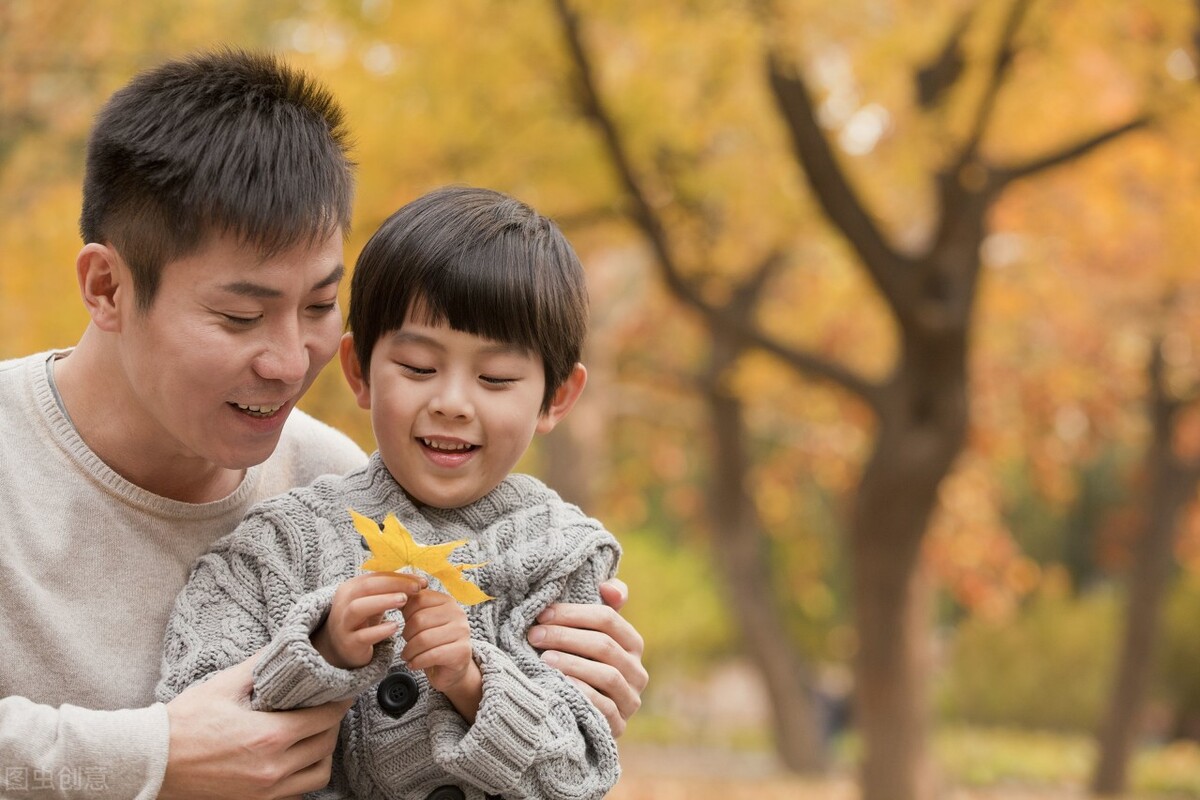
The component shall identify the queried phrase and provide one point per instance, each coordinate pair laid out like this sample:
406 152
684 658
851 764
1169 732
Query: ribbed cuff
509 727
292 674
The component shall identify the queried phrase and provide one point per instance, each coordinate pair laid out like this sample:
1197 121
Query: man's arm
71 752
597 649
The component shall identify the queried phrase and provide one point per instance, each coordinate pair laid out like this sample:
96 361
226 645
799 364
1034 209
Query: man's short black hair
226 142
482 262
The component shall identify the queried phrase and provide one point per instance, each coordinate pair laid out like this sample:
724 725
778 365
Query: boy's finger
380 582
371 606
377 633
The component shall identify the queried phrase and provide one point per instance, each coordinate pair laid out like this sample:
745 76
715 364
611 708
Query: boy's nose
452 400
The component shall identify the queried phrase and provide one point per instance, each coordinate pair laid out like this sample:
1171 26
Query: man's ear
104 283
352 369
564 399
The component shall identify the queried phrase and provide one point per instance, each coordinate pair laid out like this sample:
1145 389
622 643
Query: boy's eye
495 381
416 370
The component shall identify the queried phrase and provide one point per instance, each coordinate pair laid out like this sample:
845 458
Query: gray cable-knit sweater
270 583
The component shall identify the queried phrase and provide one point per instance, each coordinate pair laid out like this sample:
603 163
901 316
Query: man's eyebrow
333 277
257 290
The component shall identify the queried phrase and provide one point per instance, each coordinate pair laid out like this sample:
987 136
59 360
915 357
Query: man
216 197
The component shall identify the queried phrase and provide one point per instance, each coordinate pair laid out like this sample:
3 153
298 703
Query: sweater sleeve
247 596
220 619
70 752
292 674
535 734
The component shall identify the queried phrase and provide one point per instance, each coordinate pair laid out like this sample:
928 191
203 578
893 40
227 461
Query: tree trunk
739 544
921 432
1172 486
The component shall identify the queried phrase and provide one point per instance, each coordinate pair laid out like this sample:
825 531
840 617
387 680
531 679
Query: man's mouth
260 411
447 447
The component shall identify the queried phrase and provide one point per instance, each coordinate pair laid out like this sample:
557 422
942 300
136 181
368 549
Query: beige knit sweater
90 566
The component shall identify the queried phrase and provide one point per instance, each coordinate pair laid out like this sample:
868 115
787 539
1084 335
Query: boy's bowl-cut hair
482 262
226 142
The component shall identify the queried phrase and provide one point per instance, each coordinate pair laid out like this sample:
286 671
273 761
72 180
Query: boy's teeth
446 445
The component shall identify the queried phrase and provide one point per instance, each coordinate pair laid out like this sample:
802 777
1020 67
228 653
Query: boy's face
452 412
229 344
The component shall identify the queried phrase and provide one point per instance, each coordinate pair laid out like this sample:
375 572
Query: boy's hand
356 624
438 640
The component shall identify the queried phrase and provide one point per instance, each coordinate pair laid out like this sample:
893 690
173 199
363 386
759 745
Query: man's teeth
452 447
262 411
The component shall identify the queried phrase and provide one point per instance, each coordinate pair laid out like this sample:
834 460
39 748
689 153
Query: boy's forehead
432 333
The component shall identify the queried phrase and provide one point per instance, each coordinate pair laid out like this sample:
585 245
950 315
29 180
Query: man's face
229 344
452 412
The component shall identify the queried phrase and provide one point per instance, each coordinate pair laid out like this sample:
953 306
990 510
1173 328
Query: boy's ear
352 369
104 283
564 399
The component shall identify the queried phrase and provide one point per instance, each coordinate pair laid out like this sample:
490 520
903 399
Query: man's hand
597 649
219 748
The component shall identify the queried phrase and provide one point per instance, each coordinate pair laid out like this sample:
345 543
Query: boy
467 314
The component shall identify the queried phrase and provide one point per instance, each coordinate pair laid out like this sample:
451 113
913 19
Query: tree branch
817 367
828 183
1006 175
641 211
734 324
939 75
1000 65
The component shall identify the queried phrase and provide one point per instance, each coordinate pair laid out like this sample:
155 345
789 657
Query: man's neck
103 412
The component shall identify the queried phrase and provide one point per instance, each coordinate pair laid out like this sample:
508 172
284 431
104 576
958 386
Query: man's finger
591 617
595 646
604 705
614 592
236 680
602 679
311 722
310 779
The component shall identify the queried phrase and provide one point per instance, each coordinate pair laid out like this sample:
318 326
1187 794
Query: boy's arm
241 600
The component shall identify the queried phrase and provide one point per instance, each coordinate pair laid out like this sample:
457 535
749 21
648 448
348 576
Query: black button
447 793
397 693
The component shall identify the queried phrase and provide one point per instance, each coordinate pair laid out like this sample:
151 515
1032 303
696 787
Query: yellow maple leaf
394 548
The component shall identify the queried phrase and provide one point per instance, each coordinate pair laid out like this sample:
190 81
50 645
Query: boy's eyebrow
401 336
257 290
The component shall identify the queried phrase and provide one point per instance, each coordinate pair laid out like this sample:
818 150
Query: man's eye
240 321
324 308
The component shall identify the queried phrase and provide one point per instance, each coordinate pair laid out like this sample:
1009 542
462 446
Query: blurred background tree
735 406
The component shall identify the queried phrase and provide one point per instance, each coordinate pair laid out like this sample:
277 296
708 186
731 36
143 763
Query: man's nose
285 356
